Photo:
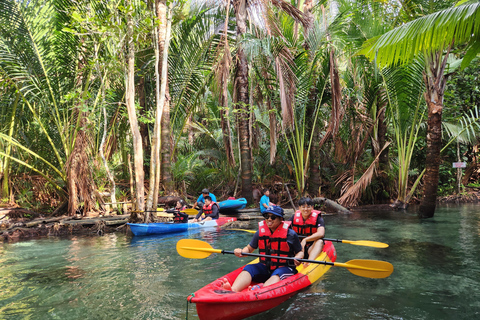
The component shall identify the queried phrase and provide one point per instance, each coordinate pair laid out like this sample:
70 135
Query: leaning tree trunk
242 103
435 83
132 118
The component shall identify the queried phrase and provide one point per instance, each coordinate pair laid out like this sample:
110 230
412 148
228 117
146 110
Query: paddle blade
366 243
368 268
195 249
190 212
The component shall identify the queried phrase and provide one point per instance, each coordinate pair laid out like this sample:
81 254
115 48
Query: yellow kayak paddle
197 249
190 212
365 243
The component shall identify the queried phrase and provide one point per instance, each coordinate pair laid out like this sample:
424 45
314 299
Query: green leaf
472 52
77 17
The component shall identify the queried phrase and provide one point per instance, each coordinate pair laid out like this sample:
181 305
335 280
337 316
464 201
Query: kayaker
274 237
179 217
209 210
265 201
310 227
201 199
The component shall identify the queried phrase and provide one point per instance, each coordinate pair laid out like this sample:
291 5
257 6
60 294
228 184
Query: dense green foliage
360 138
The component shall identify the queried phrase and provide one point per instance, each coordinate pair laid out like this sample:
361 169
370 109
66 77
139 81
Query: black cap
205 191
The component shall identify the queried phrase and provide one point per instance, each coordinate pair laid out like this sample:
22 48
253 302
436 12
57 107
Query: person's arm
199 214
297 247
317 235
215 213
248 249
214 199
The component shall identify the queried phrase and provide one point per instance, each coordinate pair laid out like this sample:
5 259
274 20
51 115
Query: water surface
437 273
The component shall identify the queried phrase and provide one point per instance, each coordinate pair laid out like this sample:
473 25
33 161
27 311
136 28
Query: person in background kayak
179 216
265 201
274 237
201 199
310 227
209 210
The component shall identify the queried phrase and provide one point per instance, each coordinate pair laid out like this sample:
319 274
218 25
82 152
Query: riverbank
21 224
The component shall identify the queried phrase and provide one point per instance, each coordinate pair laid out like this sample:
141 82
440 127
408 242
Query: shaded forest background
128 101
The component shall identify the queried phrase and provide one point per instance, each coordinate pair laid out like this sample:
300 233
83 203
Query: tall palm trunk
132 117
435 81
241 100
166 153
223 97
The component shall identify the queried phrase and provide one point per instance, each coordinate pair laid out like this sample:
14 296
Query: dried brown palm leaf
292 11
353 191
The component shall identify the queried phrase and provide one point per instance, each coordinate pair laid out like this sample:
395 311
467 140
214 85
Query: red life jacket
208 209
307 227
180 217
274 244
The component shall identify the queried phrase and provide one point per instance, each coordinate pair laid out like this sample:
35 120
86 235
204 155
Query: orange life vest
307 227
274 244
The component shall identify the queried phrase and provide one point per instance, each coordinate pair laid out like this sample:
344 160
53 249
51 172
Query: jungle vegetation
363 102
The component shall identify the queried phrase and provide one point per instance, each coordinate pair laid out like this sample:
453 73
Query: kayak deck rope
189 299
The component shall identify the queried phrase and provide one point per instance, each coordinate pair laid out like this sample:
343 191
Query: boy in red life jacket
310 227
209 211
274 237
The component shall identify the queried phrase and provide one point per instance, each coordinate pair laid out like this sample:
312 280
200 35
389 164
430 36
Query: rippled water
437 273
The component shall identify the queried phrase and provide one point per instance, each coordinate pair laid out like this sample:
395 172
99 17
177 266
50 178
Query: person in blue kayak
209 211
310 227
201 199
274 237
265 200
179 216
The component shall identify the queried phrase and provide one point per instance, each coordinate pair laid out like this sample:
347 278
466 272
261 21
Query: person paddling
274 237
179 216
309 224
209 211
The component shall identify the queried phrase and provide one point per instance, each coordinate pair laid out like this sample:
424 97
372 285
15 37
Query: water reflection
437 268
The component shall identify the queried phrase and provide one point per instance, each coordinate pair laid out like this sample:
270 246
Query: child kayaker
209 210
310 227
274 237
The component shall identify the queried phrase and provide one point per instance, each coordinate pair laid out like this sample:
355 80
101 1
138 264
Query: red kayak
215 303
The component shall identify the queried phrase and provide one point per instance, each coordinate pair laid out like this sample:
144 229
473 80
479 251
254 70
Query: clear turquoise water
437 273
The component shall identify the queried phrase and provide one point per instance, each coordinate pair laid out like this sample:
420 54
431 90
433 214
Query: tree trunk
143 126
241 100
435 83
434 145
165 151
132 117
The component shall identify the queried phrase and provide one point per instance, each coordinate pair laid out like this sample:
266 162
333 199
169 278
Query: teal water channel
118 276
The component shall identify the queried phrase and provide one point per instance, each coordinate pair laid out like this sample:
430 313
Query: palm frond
430 33
352 191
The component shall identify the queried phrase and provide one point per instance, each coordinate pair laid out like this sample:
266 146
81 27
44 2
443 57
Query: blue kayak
232 204
143 229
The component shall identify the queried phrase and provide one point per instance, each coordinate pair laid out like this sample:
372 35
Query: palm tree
433 37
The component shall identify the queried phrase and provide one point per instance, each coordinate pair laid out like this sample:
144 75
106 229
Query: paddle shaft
277 257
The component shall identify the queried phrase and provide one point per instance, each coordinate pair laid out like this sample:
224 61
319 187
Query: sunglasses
270 216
